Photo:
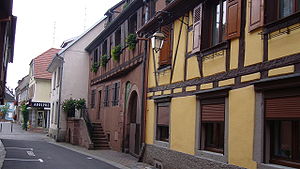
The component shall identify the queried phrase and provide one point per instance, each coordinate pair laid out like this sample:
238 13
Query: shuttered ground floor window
162 121
283 131
212 122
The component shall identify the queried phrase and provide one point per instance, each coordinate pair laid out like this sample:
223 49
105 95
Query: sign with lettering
40 104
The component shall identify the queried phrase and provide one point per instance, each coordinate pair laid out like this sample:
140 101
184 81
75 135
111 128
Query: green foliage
95 67
80 104
131 41
116 52
25 113
69 105
104 60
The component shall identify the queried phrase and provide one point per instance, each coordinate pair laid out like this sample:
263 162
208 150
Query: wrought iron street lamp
157 41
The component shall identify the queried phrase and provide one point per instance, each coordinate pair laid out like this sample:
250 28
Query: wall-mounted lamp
157 41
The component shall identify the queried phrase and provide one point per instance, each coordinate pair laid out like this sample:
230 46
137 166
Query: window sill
272 166
164 68
161 144
281 23
217 48
211 155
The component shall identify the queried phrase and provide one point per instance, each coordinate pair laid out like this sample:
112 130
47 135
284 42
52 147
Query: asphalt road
29 154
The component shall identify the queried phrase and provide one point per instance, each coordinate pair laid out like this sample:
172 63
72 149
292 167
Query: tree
25 114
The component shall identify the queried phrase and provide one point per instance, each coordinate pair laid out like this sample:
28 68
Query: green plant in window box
95 67
104 60
131 41
116 52
69 106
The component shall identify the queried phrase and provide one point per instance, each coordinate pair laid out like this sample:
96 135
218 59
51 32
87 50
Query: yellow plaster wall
281 70
250 77
190 42
177 90
284 45
241 127
226 82
253 44
214 65
206 86
190 88
164 77
42 90
234 53
167 91
183 124
192 68
178 74
151 77
149 135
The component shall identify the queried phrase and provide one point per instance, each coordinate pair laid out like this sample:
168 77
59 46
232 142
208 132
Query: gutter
59 97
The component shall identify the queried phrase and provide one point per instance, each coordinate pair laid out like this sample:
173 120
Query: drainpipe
144 102
59 97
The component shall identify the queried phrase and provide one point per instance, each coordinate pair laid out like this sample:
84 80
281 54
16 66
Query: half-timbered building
223 88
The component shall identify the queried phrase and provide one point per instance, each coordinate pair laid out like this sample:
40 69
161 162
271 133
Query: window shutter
197 25
163 115
213 112
256 14
233 19
286 107
165 56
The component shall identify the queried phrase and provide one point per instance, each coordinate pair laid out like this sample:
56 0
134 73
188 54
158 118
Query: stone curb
2 153
93 156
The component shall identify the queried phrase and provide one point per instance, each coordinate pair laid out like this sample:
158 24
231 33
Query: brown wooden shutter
165 56
285 107
256 14
163 115
197 25
213 112
233 19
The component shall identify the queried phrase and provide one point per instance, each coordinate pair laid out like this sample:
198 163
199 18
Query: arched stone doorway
133 124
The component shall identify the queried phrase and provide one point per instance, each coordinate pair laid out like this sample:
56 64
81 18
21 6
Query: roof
81 36
9 96
23 83
41 62
108 12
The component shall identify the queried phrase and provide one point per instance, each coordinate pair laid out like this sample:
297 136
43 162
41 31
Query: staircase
99 138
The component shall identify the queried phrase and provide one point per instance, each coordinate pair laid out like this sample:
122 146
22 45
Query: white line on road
24 160
30 153
19 148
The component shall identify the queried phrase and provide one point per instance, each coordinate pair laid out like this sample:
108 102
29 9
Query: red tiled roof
41 63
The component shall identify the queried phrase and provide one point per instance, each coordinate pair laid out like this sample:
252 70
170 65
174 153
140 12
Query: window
54 81
273 10
56 112
162 121
215 15
95 60
106 97
52 113
104 48
212 125
282 130
118 37
132 24
93 98
116 90
58 76
210 20
278 9
99 104
165 54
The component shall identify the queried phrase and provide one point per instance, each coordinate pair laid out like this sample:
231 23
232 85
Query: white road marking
24 160
30 153
19 148
89 158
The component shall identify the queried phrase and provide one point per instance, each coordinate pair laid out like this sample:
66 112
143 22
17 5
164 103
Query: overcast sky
35 28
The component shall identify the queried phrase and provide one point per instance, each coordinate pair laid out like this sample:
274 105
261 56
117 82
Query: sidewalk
120 160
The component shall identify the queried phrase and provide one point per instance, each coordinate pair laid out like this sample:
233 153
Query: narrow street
35 151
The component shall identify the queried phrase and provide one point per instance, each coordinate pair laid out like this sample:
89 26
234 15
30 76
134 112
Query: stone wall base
57 136
171 159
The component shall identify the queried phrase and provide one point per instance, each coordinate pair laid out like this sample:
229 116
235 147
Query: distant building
39 90
21 96
9 100
7 40
69 70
